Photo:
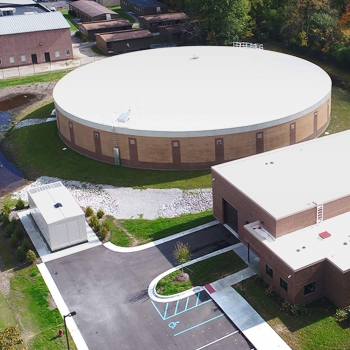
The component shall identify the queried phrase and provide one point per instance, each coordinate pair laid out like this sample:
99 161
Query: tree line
314 27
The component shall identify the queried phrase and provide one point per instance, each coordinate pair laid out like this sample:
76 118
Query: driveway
108 290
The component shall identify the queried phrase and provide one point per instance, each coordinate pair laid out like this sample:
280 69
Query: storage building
58 216
154 22
89 11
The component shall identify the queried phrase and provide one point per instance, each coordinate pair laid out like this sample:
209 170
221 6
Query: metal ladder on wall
319 213
115 148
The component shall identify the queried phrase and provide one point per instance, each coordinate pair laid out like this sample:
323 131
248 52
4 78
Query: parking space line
216 341
165 317
198 325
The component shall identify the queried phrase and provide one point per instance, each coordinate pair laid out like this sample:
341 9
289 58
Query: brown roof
105 24
125 35
91 8
175 16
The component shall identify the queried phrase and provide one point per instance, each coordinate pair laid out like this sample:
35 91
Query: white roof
32 23
305 247
192 91
45 197
17 2
294 178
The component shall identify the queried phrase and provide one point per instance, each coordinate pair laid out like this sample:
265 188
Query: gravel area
129 203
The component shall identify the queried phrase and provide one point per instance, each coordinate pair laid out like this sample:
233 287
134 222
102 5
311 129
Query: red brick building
35 38
291 207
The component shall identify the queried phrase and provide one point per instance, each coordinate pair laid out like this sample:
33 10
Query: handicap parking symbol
172 325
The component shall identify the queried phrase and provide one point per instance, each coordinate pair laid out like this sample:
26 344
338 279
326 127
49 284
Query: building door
47 57
34 58
230 216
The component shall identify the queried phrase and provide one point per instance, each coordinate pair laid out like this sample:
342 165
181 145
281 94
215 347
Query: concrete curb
167 298
118 249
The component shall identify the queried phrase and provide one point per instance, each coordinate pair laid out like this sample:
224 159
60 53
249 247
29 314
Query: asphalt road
108 290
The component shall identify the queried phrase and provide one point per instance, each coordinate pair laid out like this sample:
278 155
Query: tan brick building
191 107
291 207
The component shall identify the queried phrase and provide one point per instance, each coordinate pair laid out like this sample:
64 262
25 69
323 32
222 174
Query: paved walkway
255 329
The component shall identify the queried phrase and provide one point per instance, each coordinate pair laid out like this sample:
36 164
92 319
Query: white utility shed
58 216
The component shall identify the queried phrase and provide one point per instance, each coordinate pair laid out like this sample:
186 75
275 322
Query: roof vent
324 235
195 57
57 205
124 117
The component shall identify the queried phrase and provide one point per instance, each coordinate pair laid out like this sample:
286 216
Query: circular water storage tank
191 107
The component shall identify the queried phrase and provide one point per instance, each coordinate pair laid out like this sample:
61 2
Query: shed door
230 216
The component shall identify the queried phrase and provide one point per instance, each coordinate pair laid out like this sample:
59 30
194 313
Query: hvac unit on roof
7 11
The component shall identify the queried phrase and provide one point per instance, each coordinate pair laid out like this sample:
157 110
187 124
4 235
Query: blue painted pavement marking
172 325
200 324
176 313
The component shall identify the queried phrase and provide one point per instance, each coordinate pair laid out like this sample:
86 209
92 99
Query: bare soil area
13 98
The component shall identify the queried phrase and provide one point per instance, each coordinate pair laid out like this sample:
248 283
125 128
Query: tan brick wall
198 149
196 152
84 137
64 125
304 127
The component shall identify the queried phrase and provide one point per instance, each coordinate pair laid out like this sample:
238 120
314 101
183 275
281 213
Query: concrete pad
239 276
219 285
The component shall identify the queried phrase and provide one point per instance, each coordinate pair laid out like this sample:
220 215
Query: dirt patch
5 278
12 98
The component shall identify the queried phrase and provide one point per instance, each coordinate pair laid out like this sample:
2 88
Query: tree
9 338
182 253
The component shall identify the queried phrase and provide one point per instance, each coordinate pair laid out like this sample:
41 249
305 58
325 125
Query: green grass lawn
340 115
37 150
203 272
27 304
122 14
315 330
69 19
143 231
33 79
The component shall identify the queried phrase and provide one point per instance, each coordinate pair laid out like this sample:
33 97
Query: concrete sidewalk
239 311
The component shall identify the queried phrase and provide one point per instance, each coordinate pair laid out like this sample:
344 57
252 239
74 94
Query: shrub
341 315
100 213
269 291
31 256
6 210
93 220
107 224
102 233
18 231
26 245
9 231
20 255
88 211
5 219
96 226
14 240
20 204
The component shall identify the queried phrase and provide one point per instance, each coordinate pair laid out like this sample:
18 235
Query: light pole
73 313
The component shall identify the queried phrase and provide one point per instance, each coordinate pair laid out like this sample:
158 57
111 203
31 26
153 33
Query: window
283 284
259 136
96 135
12 59
67 52
132 141
70 125
23 58
57 54
175 144
269 271
309 288
219 142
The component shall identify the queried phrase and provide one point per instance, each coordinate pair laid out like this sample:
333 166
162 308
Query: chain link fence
17 72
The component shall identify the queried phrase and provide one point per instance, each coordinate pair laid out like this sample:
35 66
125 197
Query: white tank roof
192 91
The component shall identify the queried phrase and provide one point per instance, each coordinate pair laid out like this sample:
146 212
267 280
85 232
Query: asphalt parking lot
108 290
